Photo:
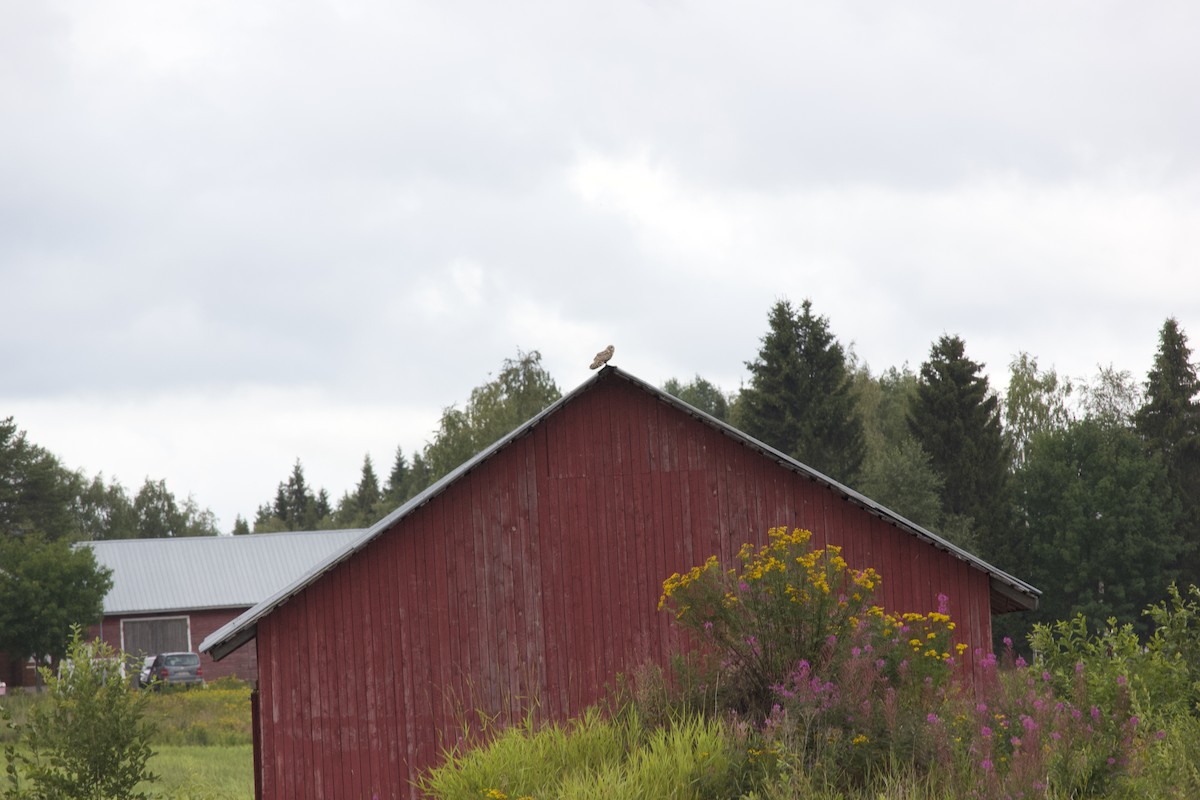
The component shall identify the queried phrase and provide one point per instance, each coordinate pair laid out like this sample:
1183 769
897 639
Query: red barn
168 594
533 571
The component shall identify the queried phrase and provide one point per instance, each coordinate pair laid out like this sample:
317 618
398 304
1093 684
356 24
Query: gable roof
1007 592
208 572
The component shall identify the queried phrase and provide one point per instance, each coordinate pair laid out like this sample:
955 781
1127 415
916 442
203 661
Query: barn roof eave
244 627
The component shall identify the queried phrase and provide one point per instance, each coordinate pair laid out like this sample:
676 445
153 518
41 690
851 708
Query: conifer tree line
1088 488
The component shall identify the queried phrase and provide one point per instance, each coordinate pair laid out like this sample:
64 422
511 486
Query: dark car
176 668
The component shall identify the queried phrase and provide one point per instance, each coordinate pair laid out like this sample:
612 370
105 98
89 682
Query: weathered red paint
241 663
532 581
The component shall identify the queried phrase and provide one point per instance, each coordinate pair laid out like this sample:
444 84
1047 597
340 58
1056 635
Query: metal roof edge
240 630
853 496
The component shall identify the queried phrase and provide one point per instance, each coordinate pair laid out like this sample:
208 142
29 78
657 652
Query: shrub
808 662
89 739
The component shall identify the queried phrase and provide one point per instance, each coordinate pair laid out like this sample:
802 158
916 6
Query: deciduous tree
518 393
36 491
1036 402
701 394
46 586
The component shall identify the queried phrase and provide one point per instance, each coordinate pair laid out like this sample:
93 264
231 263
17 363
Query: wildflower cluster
805 653
1012 735
786 603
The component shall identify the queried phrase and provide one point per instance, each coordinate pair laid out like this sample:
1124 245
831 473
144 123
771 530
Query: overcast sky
234 234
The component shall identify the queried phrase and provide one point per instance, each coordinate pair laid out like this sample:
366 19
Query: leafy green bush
1161 675
89 740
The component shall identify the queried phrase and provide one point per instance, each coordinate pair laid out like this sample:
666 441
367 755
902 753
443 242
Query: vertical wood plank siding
530 581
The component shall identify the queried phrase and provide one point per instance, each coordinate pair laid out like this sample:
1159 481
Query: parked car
144 673
176 668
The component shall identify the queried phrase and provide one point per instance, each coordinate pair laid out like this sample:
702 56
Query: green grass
217 714
198 772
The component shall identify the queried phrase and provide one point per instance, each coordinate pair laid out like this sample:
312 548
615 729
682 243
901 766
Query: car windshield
181 660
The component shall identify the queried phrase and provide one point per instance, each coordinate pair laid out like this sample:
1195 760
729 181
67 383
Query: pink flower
986 765
986 732
1008 641
1121 680
932 719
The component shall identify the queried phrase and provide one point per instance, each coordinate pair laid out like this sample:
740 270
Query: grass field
202 747
202 772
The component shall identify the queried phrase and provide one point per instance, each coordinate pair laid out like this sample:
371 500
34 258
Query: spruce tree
1169 423
956 418
799 399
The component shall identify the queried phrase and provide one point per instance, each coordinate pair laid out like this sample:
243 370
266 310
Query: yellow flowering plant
786 602
800 645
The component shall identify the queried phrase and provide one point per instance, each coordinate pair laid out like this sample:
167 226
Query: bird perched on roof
602 357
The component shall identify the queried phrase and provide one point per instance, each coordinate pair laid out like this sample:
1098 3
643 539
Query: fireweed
815 677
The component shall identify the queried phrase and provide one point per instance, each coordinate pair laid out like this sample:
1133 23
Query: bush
89 739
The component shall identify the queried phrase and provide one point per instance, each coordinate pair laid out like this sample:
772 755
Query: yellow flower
860 739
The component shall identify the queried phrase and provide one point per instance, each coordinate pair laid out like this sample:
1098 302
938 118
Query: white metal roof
198 572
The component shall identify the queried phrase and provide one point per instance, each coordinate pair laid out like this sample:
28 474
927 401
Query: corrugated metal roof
237 632
198 572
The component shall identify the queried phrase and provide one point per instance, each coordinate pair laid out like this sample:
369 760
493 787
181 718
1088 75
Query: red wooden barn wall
535 578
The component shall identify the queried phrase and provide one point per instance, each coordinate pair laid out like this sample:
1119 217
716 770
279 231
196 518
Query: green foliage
595 757
518 393
799 399
360 508
1161 671
1111 398
296 507
159 515
1035 403
700 394
1169 422
955 417
1096 523
90 740
36 492
46 588
104 510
